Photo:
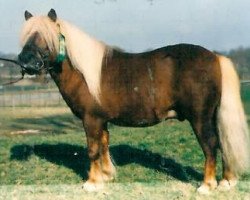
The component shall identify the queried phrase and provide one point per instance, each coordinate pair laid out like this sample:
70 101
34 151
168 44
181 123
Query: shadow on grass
75 157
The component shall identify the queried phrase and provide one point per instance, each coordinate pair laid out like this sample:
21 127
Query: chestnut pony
101 84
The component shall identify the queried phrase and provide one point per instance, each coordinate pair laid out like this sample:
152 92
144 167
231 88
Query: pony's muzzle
30 68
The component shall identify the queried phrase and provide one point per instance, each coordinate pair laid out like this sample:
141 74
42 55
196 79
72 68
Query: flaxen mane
86 54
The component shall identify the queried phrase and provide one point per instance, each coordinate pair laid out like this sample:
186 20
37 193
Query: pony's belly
135 123
130 121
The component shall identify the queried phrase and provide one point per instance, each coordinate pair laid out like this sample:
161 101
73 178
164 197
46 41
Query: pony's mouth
31 70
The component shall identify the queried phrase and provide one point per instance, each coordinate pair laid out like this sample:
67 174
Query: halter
59 59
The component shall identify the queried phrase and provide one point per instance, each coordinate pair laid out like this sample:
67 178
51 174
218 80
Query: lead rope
22 71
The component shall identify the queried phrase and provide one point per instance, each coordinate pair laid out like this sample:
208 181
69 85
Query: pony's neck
72 87
86 55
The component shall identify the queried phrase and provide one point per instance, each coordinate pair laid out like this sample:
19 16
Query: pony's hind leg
229 178
108 168
205 131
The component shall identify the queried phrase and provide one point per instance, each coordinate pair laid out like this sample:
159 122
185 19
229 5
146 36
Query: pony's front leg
94 131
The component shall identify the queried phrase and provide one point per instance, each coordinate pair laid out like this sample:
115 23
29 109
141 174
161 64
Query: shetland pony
101 84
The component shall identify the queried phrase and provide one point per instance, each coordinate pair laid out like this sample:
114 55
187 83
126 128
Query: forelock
42 25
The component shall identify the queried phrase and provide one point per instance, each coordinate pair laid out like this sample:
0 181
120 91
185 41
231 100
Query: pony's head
47 41
40 40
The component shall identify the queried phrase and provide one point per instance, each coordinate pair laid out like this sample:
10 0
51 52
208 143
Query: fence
50 96
41 98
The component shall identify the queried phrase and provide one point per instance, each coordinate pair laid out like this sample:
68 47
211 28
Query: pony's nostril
39 64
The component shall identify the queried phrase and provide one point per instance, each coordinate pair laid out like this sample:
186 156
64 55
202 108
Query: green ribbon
62 49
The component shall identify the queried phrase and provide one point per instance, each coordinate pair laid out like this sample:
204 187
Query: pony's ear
52 15
27 15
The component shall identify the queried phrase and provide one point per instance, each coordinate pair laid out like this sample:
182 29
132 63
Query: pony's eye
46 54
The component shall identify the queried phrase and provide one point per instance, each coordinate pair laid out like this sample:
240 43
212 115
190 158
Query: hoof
204 189
109 175
233 183
108 178
226 185
92 187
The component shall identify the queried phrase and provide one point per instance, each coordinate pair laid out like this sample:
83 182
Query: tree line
240 57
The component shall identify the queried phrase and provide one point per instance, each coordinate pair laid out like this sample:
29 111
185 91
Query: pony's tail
232 124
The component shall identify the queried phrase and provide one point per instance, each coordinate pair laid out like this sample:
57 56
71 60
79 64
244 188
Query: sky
139 25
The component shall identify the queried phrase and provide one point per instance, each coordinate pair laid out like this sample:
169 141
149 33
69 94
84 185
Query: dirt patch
25 132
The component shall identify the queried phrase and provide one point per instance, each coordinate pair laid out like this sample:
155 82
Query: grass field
43 155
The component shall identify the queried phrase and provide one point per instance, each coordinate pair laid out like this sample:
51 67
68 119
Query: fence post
13 103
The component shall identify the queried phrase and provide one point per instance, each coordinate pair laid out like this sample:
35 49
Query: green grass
141 154
159 162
